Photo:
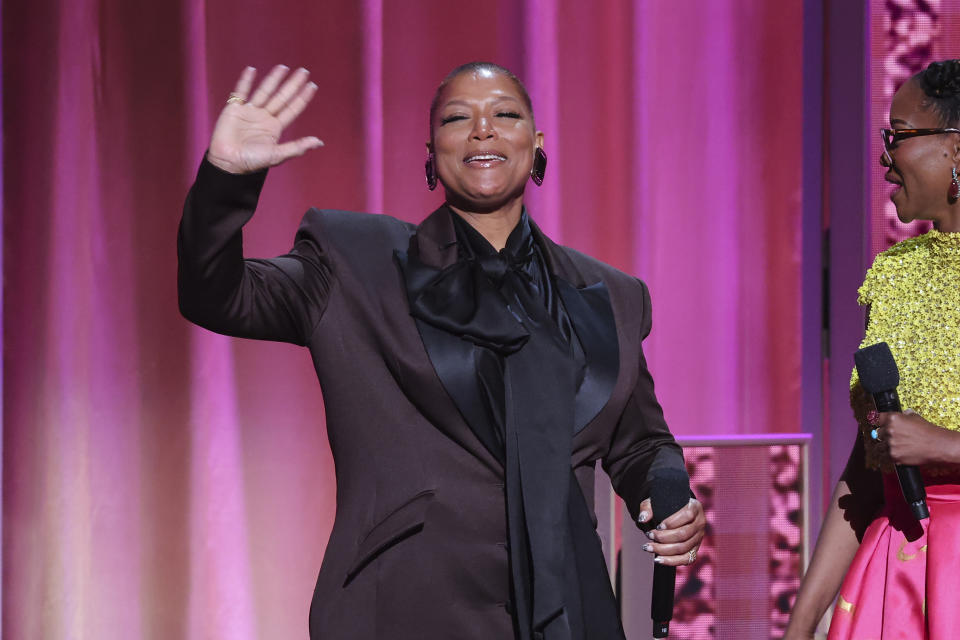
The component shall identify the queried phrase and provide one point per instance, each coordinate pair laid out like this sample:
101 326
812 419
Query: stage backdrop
163 482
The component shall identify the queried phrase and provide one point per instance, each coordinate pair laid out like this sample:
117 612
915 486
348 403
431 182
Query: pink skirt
904 581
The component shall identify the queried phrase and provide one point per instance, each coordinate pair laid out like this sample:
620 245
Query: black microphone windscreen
669 492
877 369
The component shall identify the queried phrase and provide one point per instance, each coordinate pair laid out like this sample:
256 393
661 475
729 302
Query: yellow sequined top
913 293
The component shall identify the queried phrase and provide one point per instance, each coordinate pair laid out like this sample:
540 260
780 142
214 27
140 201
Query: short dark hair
478 67
941 84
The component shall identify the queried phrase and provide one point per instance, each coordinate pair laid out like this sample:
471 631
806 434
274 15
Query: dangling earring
539 166
430 168
954 191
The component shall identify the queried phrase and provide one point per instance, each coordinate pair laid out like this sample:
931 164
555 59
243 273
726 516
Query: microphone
669 492
880 377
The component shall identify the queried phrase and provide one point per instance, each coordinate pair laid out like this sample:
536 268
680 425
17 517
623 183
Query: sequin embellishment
913 292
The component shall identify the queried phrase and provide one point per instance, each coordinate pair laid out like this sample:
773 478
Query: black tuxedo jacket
419 542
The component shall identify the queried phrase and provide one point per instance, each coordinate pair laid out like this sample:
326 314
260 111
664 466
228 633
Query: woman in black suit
473 372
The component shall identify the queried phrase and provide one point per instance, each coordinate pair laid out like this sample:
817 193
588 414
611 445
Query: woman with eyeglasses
892 576
473 372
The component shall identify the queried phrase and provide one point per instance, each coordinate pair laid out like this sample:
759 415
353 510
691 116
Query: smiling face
483 140
921 166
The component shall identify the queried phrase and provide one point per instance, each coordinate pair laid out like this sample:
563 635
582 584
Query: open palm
246 137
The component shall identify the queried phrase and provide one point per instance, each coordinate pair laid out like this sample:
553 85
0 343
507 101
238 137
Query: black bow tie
464 300
497 265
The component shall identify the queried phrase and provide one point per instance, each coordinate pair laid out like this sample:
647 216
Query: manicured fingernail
647 547
661 526
651 535
658 560
644 516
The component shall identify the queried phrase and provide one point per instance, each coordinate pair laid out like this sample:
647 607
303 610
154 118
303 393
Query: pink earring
954 191
430 168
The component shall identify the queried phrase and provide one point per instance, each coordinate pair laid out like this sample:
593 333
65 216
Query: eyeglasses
892 137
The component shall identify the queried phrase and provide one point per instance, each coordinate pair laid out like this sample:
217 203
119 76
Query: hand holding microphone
880 377
912 440
676 543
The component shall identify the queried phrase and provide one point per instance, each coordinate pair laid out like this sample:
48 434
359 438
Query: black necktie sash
561 590
489 302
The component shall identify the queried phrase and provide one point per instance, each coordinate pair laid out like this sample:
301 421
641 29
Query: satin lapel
436 240
451 356
592 317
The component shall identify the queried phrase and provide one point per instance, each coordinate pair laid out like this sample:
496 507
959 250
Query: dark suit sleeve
642 442
278 299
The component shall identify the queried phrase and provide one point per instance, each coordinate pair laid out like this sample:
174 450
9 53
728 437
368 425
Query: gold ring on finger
692 556
236 98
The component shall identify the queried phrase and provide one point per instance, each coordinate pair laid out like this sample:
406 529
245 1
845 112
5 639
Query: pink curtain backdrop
160 481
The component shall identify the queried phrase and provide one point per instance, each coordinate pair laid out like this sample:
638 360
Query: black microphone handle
887 401
661 604
669 492
911 484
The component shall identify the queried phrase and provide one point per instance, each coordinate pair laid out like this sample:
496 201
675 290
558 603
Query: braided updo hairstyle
941 83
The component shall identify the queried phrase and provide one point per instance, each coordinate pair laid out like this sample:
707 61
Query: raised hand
246 137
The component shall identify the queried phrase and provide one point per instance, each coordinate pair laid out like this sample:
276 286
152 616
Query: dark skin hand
910 439
677 535
246 137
